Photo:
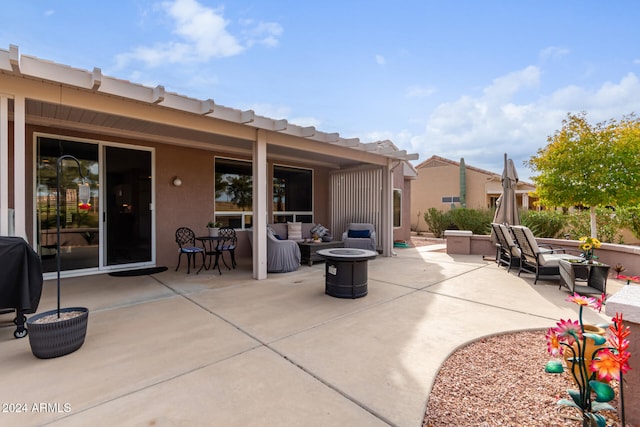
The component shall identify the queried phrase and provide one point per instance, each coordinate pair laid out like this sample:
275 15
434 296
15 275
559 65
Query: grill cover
20 275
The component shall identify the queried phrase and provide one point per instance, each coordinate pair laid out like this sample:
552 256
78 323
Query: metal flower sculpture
592 366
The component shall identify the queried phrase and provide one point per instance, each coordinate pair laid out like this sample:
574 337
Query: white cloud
201 34
264 33
420 91
380 60
482 128
554 52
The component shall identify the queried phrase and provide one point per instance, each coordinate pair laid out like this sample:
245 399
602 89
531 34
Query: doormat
138 272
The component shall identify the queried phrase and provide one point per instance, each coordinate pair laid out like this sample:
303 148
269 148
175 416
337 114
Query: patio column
4 165
627 302
386 234
19 167
260 206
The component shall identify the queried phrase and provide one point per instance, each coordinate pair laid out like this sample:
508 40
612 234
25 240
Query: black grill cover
20 275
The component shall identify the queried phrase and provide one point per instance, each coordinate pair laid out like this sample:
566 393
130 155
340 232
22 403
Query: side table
583 277
309 250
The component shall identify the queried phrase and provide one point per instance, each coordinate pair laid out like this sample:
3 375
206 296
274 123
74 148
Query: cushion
319 230
359 234
294 230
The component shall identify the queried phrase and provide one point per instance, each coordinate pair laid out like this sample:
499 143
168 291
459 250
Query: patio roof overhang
39 92
77 99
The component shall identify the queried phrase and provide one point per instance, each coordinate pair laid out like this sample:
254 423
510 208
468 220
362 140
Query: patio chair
228 245
535 259
360 235
507 251
186 240
283 256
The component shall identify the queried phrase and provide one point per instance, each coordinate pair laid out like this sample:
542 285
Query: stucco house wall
439 178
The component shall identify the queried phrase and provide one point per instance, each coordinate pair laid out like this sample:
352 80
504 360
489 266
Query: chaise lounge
536 260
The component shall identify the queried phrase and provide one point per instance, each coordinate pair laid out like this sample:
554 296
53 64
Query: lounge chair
535 259
507 252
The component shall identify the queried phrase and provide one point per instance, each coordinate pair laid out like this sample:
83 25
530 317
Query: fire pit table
346 271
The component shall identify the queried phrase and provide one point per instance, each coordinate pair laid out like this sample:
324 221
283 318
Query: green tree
240 190
590 165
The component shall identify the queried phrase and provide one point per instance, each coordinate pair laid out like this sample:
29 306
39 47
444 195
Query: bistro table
346 271
584 277
212 246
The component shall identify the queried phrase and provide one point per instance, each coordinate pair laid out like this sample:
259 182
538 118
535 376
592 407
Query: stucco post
627 302
458 241
4 165
260 206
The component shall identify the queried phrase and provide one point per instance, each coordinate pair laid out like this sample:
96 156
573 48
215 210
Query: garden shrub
548 224
478 221
608 225
630 218
437 221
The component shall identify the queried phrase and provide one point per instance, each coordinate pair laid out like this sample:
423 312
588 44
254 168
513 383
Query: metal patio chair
186 240
228 245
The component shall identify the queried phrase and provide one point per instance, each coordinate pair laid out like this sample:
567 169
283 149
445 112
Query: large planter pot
57 337
590 347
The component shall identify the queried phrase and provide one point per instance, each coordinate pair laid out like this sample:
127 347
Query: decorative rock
554 367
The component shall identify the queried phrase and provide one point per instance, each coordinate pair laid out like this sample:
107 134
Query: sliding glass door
79 225
128 198
116 227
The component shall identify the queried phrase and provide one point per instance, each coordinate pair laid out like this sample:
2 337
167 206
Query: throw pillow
319 230
359 234
294 230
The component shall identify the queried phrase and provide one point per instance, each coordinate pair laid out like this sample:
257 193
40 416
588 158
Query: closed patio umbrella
507 207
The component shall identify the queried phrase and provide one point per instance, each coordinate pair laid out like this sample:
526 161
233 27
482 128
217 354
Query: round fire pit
346 271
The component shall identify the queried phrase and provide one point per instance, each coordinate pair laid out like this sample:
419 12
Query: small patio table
584 277
346 271
309 250
211 247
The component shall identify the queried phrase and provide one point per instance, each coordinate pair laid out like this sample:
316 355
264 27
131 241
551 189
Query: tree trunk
594 230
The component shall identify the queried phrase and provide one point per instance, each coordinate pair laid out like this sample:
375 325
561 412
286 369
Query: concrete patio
176 349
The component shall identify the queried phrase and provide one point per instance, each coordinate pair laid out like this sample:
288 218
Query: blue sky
472 78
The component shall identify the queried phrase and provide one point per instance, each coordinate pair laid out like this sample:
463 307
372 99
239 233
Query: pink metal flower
606 365
600 302
553 342
582 300
568 330
635 279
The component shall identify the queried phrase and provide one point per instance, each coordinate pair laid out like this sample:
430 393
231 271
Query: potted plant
59 332
213 227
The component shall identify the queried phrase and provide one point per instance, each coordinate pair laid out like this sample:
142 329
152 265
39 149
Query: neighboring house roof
436 161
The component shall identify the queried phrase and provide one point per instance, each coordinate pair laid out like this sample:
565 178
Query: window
292 194
233 193
397 207
451 199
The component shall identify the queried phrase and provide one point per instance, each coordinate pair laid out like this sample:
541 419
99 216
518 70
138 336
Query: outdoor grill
20 280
